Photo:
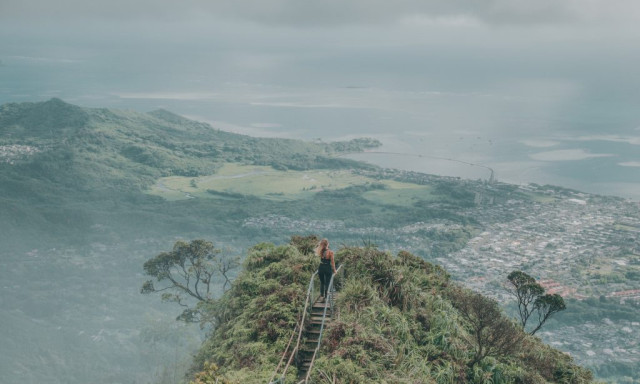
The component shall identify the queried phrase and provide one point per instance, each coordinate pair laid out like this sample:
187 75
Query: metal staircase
314 318
320 316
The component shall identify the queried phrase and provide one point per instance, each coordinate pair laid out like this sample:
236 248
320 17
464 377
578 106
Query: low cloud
253 130
567 155
633 140
333 12
169 95
265 125
292 104
44 59
536 143
630 164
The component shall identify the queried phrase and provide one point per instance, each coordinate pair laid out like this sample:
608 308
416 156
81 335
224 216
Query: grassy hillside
65 170
268 183
401 320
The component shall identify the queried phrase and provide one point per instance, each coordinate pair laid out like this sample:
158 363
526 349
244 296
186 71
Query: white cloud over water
266 125
169 95
567 155
255 129
292 104
539 143
633 140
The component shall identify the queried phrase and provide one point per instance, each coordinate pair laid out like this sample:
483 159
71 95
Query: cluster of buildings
576 246
294 226
10 153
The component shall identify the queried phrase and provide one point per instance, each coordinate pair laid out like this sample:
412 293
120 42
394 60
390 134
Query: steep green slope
401 320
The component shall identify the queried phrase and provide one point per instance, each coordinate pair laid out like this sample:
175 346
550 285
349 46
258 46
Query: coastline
515 172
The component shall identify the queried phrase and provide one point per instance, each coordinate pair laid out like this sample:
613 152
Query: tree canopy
531 299
187 273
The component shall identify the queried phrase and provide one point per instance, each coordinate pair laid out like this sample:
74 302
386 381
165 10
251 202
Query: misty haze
482 139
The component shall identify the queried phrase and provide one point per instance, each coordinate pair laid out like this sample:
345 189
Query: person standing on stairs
327 266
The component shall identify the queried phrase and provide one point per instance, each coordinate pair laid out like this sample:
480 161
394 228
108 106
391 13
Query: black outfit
324 272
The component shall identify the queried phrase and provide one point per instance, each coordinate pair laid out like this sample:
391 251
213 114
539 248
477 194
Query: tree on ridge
531 299
188 272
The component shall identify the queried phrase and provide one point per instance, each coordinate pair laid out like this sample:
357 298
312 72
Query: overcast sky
403 41
332 12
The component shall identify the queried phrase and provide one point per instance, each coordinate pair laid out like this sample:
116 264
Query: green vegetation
188 271
401 194
233 179
80 170
400 319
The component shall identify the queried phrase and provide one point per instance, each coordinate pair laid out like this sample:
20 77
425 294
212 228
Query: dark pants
324 272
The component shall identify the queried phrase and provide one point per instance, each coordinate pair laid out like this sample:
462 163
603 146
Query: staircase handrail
284 354
329 299
300 328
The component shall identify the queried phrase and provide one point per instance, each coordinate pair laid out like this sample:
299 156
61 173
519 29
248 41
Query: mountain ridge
397 319
40 117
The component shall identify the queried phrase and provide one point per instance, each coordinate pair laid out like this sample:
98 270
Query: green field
268 183
398 193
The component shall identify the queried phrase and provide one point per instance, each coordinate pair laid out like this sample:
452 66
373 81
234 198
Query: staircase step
312 334
320 313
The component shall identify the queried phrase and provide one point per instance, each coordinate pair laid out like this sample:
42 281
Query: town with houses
578 246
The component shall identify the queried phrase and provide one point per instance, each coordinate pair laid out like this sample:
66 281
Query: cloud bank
567 155
334 12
